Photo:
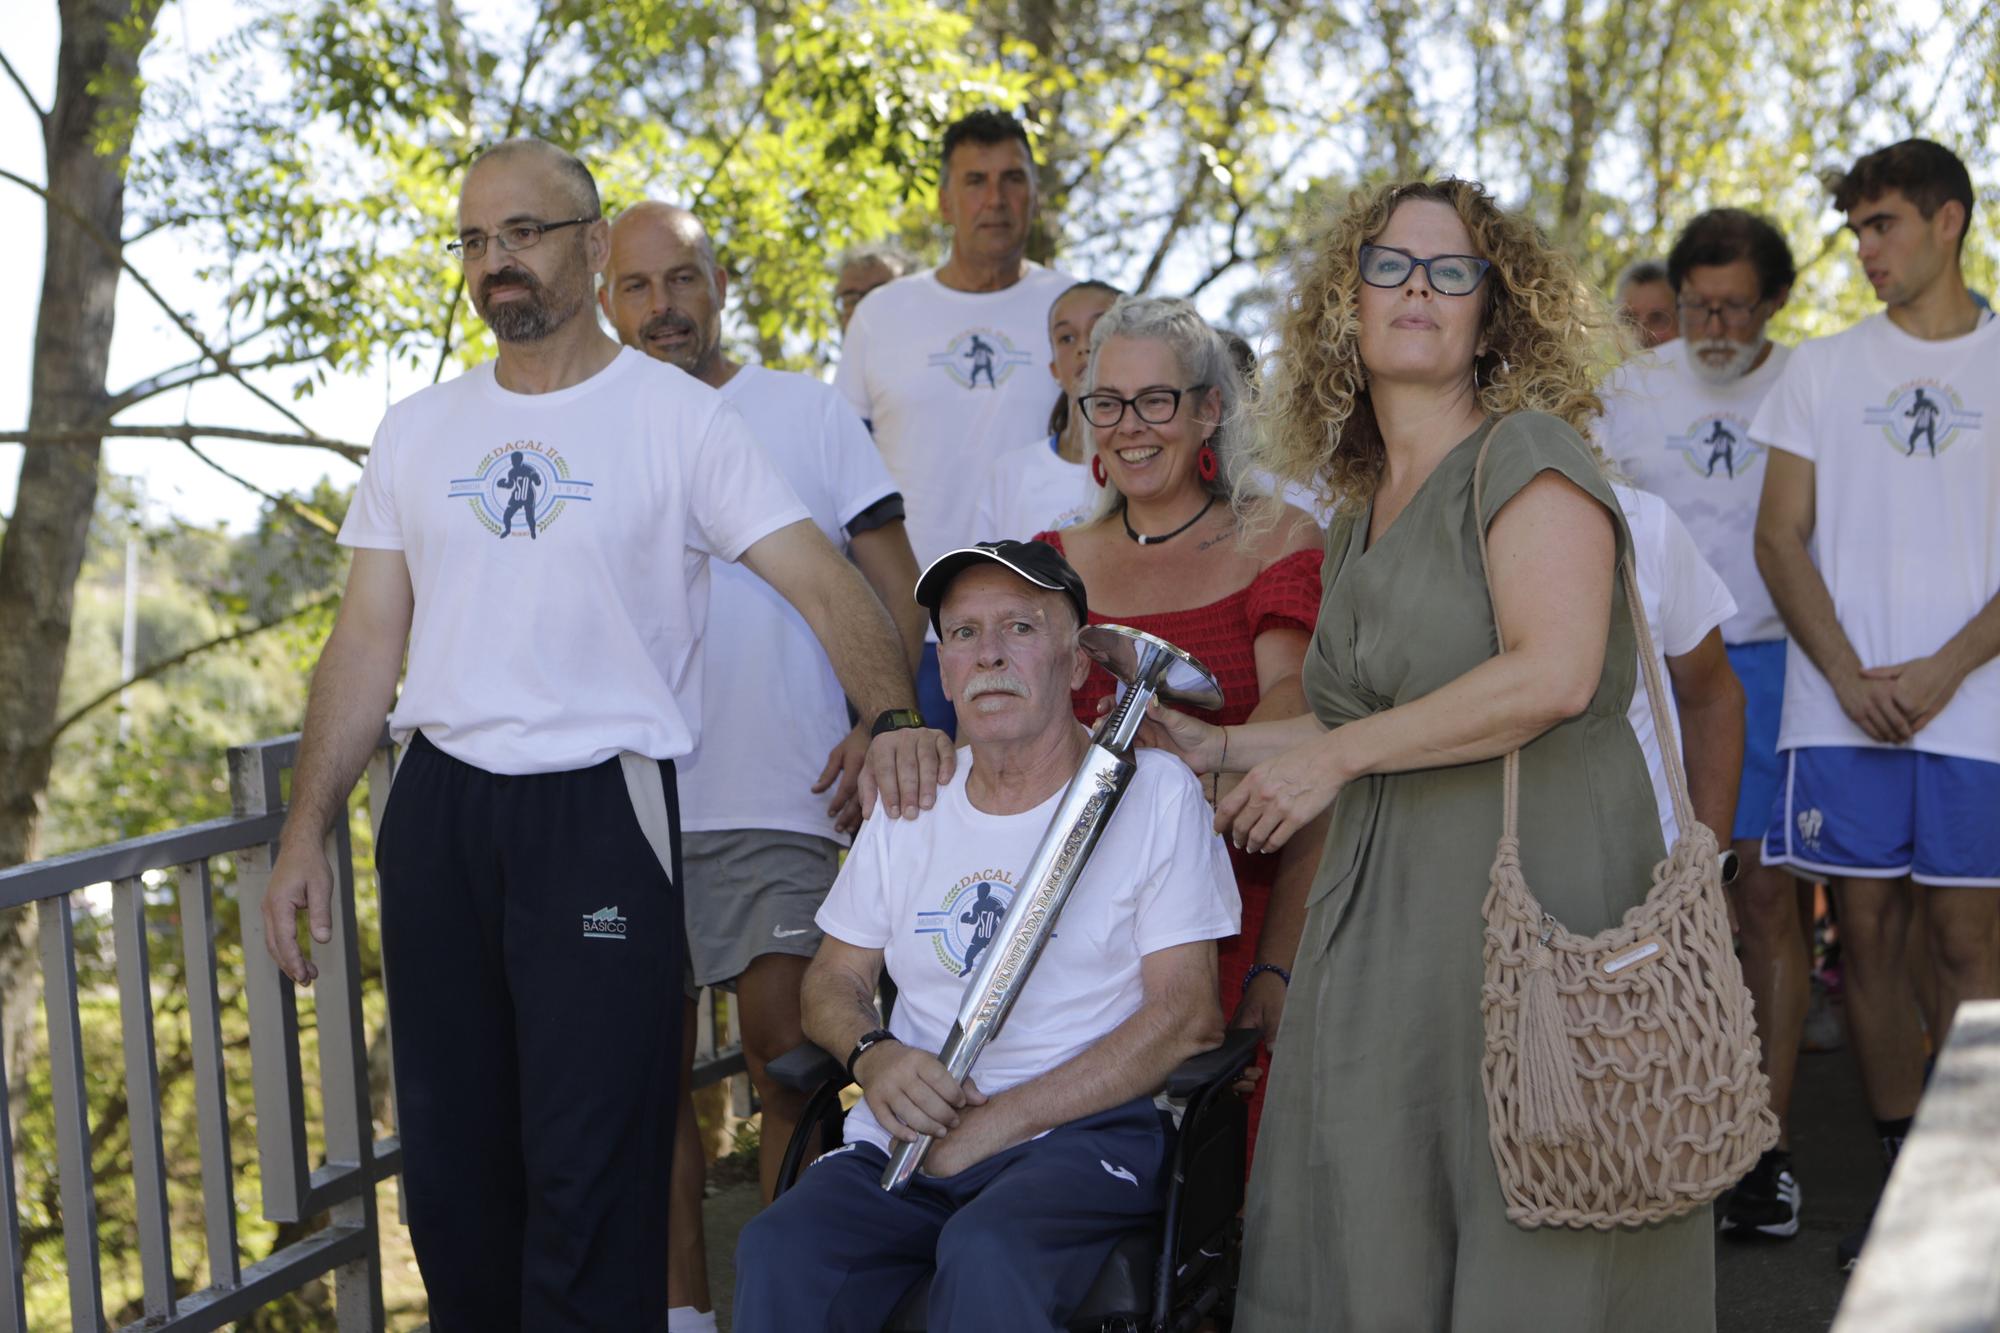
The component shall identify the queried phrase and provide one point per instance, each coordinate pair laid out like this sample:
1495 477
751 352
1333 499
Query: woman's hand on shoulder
1196 743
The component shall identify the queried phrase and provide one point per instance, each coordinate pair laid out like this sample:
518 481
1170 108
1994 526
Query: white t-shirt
1684 599
946 379
1029 489
771 707
1904 435
542 652
931 893
1689 442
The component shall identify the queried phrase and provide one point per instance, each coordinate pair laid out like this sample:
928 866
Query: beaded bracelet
1251 975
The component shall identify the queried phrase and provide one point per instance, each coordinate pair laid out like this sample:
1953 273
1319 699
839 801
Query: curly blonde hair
1550 339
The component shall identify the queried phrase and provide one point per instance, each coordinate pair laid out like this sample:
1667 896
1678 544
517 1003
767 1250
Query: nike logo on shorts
1119 1172
780 933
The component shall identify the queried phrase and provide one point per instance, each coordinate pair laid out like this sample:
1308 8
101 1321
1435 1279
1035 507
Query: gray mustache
993 682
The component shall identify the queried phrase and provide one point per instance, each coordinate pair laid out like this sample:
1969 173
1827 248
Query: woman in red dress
1169 553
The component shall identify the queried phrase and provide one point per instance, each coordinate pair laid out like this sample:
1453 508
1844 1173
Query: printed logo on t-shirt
964 927
1718 445
520 489
1923 417
979 356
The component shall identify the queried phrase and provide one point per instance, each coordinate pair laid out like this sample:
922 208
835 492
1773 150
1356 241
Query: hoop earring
1097 470
1204 464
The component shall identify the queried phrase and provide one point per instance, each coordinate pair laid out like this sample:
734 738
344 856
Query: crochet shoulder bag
1621 1070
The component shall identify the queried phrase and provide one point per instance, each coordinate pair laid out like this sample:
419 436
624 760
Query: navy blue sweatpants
534 948
1016 1240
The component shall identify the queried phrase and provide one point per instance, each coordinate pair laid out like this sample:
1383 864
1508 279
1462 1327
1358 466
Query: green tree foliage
312 158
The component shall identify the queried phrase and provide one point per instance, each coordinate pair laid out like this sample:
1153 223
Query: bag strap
1649 667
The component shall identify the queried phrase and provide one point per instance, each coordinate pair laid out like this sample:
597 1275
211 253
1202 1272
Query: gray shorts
751 892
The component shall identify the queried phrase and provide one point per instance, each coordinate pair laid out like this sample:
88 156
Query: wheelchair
1176 1275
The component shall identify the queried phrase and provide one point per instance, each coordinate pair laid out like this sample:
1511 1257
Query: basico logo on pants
604 924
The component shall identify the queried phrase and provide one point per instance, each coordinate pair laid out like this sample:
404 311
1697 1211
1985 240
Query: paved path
1785 1287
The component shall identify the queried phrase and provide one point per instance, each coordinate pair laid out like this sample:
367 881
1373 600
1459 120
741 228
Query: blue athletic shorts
1761 668
1880 813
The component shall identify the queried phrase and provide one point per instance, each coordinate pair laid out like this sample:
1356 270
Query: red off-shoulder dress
1223 636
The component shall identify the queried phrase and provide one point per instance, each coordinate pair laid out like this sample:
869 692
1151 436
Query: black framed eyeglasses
1448 275
1155 407
514 236
1733 314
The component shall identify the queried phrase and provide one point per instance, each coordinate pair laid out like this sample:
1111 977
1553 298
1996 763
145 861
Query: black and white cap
1037 562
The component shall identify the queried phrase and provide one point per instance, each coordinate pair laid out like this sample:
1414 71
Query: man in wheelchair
1053 1150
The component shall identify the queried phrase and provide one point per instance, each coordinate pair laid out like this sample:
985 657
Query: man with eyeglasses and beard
531 897
1678 422
762 846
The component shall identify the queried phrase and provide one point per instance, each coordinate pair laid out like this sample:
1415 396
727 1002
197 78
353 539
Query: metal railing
341 1186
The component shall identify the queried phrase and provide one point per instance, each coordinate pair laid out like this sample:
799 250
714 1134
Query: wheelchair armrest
1223 1064
805 1067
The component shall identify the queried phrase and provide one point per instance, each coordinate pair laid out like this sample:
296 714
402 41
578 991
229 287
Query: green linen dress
1375 1206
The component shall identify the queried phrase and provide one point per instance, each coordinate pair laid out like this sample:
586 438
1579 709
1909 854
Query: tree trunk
96 105
97 94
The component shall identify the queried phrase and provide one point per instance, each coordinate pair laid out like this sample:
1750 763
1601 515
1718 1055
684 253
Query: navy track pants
1017 1240
534 947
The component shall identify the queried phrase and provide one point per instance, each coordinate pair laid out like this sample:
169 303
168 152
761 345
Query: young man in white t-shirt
531 905
943 364
1879 536
1052 1148
760 845
1677 421
1047 484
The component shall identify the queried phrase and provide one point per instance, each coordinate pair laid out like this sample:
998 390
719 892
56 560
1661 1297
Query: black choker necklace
1144 540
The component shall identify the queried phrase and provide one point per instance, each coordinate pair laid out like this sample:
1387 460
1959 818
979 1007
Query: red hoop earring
1097 470
1204 463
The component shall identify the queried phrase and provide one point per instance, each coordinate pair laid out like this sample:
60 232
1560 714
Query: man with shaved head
531 893
761 847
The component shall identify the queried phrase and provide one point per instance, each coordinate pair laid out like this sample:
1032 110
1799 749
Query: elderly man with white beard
1678 421
1053 1149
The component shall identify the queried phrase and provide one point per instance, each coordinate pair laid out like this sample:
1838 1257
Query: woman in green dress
1426 323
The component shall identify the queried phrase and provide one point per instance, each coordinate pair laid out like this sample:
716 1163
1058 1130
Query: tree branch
353 453
166 664
19 82
171 378
112 249
305 513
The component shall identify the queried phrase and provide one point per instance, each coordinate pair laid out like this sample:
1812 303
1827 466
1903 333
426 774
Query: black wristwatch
868 1041
1732 865
896 719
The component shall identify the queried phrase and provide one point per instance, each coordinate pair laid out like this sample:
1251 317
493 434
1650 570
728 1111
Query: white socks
687 1319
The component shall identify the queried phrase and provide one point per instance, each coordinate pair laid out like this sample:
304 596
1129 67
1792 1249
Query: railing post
142 1094
274 1019
343 1072
381 775
211 1086
72 1108
13 1298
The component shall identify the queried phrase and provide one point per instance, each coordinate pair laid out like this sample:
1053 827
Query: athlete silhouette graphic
981 353
1722 448
1924 415
519 482
984 918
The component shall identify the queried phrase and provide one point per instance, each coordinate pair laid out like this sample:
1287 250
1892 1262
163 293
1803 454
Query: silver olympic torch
1149 667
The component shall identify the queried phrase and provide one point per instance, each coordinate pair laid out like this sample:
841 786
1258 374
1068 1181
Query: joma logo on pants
604 924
